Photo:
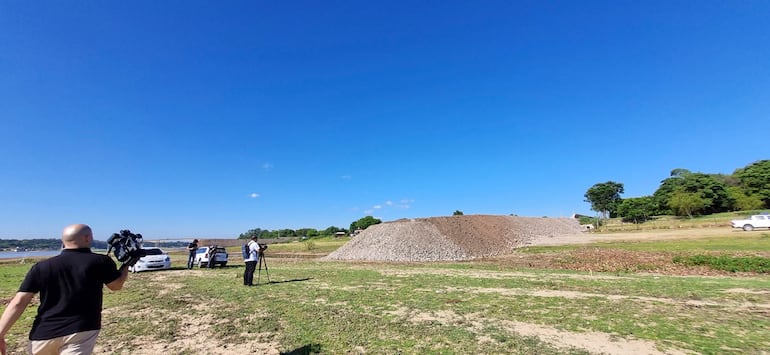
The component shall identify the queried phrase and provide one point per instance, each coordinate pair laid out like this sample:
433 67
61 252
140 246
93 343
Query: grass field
483 307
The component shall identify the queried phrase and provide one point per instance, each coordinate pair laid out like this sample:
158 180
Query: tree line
687 193
360 224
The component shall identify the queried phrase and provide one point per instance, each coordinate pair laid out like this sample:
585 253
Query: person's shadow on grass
305 350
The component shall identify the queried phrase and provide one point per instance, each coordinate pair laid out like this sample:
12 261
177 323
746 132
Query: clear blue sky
207 119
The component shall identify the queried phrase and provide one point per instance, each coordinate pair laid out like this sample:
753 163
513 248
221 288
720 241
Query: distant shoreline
29 254
37 253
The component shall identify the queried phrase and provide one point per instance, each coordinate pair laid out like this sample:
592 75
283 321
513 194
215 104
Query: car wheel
748 227
224 264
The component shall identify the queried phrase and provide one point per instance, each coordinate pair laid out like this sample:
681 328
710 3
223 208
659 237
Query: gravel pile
453 238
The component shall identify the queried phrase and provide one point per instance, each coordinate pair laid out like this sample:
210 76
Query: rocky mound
453 238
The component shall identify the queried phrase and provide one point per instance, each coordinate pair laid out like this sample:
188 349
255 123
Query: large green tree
755 180
687 203
740 201
711 188
667 187
604 197
637 209
331 230
364 223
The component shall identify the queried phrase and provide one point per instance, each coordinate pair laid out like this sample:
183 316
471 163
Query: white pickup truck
755 221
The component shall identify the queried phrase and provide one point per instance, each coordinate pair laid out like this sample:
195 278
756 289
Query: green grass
727 263
433 308
11 276
314 245
438 308
730 243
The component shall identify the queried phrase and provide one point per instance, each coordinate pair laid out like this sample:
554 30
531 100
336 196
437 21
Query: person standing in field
71 286
251 262
192 248
212 253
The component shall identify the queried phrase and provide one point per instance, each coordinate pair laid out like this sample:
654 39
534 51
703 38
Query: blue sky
207 119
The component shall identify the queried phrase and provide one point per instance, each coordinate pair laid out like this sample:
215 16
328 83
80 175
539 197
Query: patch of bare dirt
594 342
727 305
191 330
745 291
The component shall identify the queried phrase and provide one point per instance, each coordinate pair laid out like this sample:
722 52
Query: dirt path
659 234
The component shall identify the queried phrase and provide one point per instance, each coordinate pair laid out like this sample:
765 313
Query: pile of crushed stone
453 238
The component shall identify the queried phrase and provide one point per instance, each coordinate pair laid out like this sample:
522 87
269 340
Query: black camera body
126 246
262 247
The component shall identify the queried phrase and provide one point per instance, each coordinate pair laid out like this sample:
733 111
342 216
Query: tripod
262 261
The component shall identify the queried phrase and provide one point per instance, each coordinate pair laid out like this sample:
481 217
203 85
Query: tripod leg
267 272
259 273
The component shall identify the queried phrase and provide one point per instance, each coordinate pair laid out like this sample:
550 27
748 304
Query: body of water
28 254
49 253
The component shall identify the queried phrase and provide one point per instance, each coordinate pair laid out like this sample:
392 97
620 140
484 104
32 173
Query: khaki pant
81 343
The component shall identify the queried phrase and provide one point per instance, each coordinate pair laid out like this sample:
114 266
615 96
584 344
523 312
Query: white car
755 221
202 256
156 259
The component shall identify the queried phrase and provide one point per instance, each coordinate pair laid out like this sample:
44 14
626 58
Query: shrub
727 263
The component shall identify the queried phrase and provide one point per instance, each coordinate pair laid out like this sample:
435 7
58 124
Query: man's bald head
77 236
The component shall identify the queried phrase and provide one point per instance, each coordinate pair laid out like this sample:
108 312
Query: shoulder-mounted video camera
126 246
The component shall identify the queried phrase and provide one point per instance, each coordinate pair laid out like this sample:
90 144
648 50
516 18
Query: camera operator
251 261
212 253
70 284
192 248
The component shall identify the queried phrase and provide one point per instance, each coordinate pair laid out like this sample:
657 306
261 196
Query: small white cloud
254 195
405 203
346 177
376 207
267 166
368 211
389 203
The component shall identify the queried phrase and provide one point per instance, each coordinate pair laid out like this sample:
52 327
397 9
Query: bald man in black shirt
70 285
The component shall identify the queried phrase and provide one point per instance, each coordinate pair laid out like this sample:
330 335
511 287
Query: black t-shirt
70 286
192 247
